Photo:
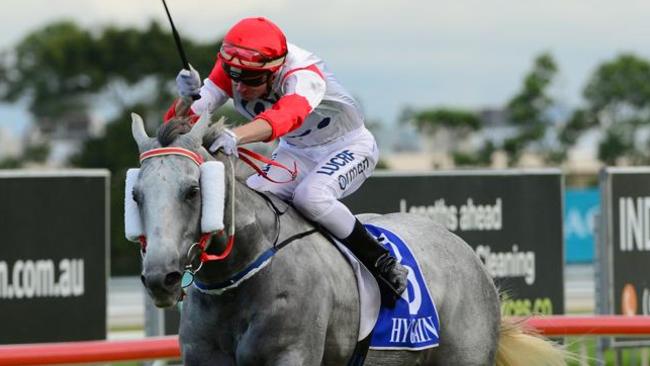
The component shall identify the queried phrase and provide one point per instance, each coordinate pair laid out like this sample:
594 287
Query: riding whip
179 45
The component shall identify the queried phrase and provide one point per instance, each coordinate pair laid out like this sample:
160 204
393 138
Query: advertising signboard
624 252
512 219
580 210
53 256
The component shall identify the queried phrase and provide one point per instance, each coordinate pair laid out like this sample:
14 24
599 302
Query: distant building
73 126
494 128
10 145
493 117
65 137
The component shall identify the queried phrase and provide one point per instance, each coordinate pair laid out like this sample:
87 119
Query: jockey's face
251 84
256 87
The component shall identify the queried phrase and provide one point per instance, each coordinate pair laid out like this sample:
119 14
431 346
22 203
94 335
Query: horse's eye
136 197
192 193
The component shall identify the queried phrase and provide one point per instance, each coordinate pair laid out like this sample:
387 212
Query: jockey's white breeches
326 173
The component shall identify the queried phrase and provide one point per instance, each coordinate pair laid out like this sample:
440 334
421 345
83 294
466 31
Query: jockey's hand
227 142
188 83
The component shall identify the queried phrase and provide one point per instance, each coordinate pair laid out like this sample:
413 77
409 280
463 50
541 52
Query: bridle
247 157
204 239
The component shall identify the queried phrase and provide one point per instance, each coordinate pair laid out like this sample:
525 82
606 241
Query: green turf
631 356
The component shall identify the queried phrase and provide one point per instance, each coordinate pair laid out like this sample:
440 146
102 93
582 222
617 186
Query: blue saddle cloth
413 323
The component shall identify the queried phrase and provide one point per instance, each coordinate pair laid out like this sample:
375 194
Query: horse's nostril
173 279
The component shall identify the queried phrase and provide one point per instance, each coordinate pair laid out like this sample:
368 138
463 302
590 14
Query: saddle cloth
413 323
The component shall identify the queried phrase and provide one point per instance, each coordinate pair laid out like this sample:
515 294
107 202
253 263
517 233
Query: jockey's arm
303 90
212 97
215 92
253 131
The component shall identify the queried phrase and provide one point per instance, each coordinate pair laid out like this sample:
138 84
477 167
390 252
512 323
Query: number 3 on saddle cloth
413 323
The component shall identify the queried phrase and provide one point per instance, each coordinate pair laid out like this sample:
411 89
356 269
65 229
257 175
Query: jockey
289 94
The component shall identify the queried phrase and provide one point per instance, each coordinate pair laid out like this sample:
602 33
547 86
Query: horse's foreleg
287 358
279 351
203 354
292 358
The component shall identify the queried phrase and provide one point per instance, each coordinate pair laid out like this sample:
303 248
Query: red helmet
254 44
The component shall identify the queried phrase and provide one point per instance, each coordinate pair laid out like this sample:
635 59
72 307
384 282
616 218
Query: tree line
64 72
615 107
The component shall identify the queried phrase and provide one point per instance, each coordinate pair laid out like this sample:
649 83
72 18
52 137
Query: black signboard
624 254
53 255
512 219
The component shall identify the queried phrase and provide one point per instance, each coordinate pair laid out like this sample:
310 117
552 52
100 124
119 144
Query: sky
390 54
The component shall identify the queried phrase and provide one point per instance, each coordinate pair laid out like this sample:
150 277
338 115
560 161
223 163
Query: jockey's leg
392 276
338 175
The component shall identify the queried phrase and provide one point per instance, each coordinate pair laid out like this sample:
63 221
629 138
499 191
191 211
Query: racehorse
302 308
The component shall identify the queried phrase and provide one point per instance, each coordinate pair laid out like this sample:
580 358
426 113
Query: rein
246 155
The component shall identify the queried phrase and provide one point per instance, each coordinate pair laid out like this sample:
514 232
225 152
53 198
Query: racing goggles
248 58
246 77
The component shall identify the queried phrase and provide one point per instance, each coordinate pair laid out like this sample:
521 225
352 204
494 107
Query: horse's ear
137 130
201 126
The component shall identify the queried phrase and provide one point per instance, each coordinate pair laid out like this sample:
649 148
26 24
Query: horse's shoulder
279 205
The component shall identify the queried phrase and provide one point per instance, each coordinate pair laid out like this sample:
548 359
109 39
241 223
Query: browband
198 159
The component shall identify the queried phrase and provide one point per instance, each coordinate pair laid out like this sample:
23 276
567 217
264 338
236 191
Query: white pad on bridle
213 196
132 221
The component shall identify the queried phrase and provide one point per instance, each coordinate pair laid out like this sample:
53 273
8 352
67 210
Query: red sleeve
220 78
171 113
286 115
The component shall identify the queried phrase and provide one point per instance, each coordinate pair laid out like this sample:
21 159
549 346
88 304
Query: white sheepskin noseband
213 196
132 221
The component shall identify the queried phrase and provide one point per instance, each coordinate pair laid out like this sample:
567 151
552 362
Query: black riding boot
391 276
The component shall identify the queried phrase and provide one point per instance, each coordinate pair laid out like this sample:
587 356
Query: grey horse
303 307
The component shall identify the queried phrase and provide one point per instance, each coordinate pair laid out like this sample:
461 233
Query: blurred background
445 85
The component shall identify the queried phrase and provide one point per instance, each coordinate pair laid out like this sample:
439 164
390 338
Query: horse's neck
254 232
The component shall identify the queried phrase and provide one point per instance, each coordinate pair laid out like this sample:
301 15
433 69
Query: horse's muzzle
164 288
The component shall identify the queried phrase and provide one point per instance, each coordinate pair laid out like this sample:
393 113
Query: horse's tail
521 346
